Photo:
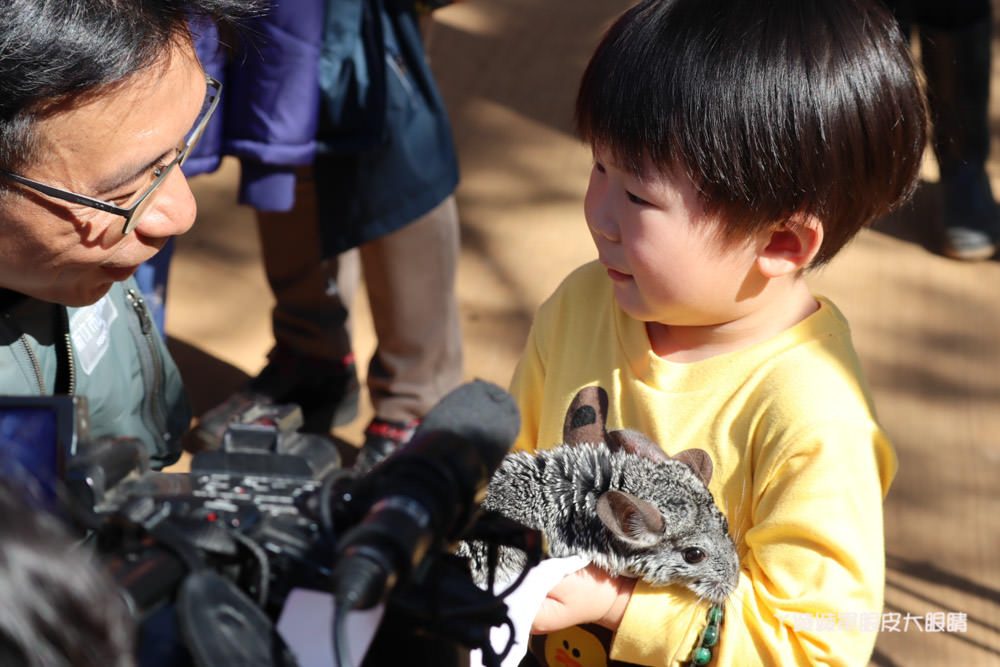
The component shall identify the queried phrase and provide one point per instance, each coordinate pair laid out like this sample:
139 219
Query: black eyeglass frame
133 212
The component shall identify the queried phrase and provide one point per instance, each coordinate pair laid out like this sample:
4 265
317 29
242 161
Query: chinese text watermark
890 621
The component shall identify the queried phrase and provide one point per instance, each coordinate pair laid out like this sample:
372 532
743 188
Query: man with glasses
102 102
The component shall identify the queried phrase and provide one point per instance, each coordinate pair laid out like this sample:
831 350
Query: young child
736 144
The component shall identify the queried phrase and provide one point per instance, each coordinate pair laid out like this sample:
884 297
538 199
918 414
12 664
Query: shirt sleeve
812 568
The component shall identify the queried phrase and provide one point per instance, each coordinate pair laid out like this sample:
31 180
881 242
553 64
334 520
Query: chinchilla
631 513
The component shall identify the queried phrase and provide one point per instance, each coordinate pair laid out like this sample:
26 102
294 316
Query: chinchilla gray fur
630 515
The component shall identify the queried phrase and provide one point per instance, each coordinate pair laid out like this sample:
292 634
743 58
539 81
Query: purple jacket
270 102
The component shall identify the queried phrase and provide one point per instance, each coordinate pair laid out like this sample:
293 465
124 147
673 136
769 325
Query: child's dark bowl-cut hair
775 108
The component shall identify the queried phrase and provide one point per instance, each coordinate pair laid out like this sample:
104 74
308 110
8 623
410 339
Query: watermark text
890 621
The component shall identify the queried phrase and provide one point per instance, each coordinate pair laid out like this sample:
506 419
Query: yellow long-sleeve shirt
800 469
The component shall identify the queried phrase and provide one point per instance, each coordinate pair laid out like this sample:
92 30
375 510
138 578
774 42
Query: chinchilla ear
699 461
633 520
636 443
586 417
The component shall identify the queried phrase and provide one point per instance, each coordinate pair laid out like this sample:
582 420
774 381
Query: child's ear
790 246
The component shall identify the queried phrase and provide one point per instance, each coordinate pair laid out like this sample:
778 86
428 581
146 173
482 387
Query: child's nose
602 223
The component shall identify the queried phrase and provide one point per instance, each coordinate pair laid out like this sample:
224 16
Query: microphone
424 495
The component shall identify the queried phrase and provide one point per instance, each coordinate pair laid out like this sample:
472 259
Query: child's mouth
618 276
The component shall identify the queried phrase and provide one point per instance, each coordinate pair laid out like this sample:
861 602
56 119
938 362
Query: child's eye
599 167
636 200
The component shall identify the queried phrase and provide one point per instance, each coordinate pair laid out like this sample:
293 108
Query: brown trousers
409 276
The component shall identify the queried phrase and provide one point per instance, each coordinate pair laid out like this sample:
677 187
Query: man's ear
790 246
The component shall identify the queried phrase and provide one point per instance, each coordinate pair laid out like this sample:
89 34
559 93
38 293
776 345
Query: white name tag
90 329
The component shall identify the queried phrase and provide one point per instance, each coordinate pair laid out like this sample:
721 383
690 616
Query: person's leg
957 61
311 364
311 312
410 279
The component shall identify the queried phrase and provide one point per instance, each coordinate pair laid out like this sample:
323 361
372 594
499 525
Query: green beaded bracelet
709 637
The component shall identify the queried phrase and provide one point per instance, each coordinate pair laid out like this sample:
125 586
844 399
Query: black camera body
274 510
242 510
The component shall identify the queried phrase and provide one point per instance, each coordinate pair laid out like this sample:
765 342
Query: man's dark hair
53 51
775 108
59 608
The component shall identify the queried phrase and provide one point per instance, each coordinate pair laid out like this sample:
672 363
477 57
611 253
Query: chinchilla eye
694 555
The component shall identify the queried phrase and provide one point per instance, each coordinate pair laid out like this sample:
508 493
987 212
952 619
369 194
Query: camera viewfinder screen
31 446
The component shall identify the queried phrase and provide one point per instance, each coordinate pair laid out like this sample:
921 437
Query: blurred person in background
956 55
346 173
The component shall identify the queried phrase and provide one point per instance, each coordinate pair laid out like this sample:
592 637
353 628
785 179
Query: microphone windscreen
482 413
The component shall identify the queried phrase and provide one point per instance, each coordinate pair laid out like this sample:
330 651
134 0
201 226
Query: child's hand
589 595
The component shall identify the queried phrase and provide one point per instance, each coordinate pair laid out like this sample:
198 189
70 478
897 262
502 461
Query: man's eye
121 200
167 161
636 200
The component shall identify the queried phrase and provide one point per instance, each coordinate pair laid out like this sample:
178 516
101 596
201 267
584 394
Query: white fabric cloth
523 604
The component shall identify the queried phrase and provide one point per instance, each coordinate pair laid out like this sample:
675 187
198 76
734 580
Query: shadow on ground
195 366
208 379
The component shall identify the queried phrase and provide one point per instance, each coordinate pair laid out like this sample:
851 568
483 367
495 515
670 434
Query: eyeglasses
140 203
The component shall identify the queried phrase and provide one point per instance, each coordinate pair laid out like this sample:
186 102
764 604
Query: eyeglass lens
158 175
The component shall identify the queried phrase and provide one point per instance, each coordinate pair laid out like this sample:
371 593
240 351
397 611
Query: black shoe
971 215
382 438
328 393
967 244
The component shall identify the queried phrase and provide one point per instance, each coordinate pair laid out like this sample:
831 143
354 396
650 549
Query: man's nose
173 210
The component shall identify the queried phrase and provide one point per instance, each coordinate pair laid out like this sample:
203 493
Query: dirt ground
926 327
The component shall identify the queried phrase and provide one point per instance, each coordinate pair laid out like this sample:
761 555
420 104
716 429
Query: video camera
208 559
